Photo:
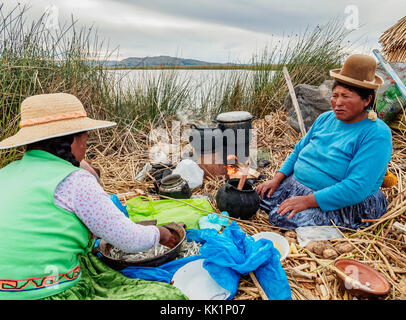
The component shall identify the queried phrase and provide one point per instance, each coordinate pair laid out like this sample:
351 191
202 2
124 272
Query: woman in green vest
50 208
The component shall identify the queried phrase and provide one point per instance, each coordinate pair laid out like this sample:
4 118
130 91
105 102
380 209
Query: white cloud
213 30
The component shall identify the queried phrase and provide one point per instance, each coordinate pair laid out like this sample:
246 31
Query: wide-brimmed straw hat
359 71
48 116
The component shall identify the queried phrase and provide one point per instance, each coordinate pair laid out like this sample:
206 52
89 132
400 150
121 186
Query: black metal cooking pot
205 139
231 135
237 133
241 204
177 229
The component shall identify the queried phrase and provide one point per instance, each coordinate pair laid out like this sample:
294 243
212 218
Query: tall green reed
37 60
151 96
308 57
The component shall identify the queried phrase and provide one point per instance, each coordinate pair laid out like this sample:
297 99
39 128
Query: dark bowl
177 229
363 274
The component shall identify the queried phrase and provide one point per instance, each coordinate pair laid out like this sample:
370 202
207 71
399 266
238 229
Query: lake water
199 88
204 79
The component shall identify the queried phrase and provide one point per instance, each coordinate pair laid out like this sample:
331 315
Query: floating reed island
33 61
379 246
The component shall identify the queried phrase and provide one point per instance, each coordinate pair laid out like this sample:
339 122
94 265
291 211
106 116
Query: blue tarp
119 205
227 255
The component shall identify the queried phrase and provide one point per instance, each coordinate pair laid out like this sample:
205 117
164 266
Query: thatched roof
393 42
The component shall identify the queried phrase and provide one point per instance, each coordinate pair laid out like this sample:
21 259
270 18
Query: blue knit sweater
343 163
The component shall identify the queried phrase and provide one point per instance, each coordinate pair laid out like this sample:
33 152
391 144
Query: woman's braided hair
60 147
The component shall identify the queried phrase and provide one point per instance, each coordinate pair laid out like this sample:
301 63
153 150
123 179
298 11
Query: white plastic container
197 284
191 172
279 242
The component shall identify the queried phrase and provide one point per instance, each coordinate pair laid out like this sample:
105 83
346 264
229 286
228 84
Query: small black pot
175 187
241 204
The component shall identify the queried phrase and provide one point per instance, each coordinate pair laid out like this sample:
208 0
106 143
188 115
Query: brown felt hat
358 70
46 116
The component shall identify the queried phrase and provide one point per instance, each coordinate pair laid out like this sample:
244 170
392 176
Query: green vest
40 243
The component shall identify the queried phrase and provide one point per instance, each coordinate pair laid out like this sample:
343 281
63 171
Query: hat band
58 117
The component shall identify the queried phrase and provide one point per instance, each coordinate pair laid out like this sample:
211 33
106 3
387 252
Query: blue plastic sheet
119 205
227 255
163 273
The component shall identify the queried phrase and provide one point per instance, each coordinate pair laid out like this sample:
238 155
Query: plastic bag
167 211
316 233
227 255
232 253
191 172
213 221
118 204
143 173
390 104
162 273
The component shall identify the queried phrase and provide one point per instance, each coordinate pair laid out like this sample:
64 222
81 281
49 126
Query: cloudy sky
217 30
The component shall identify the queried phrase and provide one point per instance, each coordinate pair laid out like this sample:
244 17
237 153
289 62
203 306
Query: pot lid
234 116
202 126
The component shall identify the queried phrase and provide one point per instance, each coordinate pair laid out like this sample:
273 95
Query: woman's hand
270 185
297 204
166 237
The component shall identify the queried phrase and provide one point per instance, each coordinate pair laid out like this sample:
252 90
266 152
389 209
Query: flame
232 170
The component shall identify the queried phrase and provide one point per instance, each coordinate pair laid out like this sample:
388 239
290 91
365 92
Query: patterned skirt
99 282
350 217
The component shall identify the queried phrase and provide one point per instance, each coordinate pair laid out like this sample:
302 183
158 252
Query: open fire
232 169
236 169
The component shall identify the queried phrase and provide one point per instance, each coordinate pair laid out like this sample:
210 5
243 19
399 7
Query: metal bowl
104 248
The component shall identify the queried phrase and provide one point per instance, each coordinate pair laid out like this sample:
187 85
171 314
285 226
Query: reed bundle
393 42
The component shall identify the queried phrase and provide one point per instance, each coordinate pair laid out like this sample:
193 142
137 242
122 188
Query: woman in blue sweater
334 172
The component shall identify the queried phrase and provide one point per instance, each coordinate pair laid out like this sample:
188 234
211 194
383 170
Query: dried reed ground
378 245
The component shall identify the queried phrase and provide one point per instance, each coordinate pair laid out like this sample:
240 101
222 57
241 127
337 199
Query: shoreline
200 67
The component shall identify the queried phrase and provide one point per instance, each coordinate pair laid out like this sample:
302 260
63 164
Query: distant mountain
111 63
157 61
